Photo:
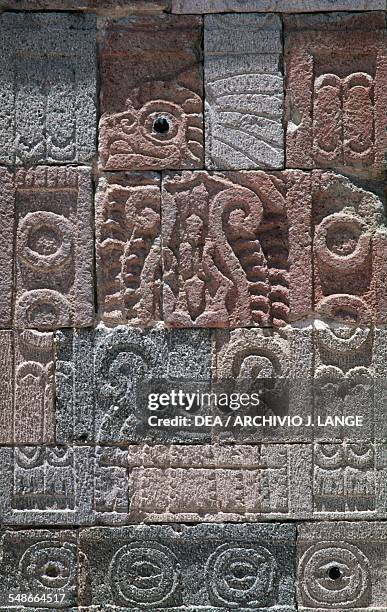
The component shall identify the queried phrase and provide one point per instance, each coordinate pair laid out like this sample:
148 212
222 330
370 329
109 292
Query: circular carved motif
45 241
342 242
43 309
241 576
353 317
49 564
334 574
145 573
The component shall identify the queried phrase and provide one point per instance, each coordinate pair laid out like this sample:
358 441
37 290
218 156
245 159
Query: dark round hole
334 573
83 437
161 125
52 571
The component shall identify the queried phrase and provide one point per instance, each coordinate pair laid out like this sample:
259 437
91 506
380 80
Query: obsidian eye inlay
161 125
334 573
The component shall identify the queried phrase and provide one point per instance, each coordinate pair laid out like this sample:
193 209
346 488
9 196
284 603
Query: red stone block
350 251
53 250
235 248
151 83
128 248
336 92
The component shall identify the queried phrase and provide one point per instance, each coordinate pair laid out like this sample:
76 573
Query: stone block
349 244
63 485
276 365
234 483
128 248
119 7
211 567
53 285
36 562
6 246
104 377
26 387
233 248
243 91
336 96
151 93
274 6
350 379
48 75
342 565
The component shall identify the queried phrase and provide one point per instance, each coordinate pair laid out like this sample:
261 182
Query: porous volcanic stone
244 91
48 75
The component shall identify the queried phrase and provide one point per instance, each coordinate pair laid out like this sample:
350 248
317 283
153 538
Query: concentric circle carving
144 573
45 241
49 565
239 576
334 574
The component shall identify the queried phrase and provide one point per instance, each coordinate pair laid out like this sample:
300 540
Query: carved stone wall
192 212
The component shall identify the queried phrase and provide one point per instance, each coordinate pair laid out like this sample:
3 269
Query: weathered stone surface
233 248
281 6
278 365
220 483
38 561
189 567
48 75
349 242
128 249
336 92
151 86
103 378
26 387
116 7
244 91
350 377
63 485
342 566
54 247
6 247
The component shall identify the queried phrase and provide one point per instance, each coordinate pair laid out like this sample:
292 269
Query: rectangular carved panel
189 567
54 248
151 86
27 387
220 483
233 247
336 92
62 485
38 562
342 566
244 91
278 367
103 378
349 251
128 245
48 75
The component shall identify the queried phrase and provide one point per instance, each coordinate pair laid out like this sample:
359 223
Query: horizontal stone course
191 567
280 6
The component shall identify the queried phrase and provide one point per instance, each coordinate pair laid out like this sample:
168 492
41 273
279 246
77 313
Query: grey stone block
103 378
48 75
267 482
350 381
244 92
120 7
36 562
342 566
63 486
26 387
279 366
206 567
275 6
